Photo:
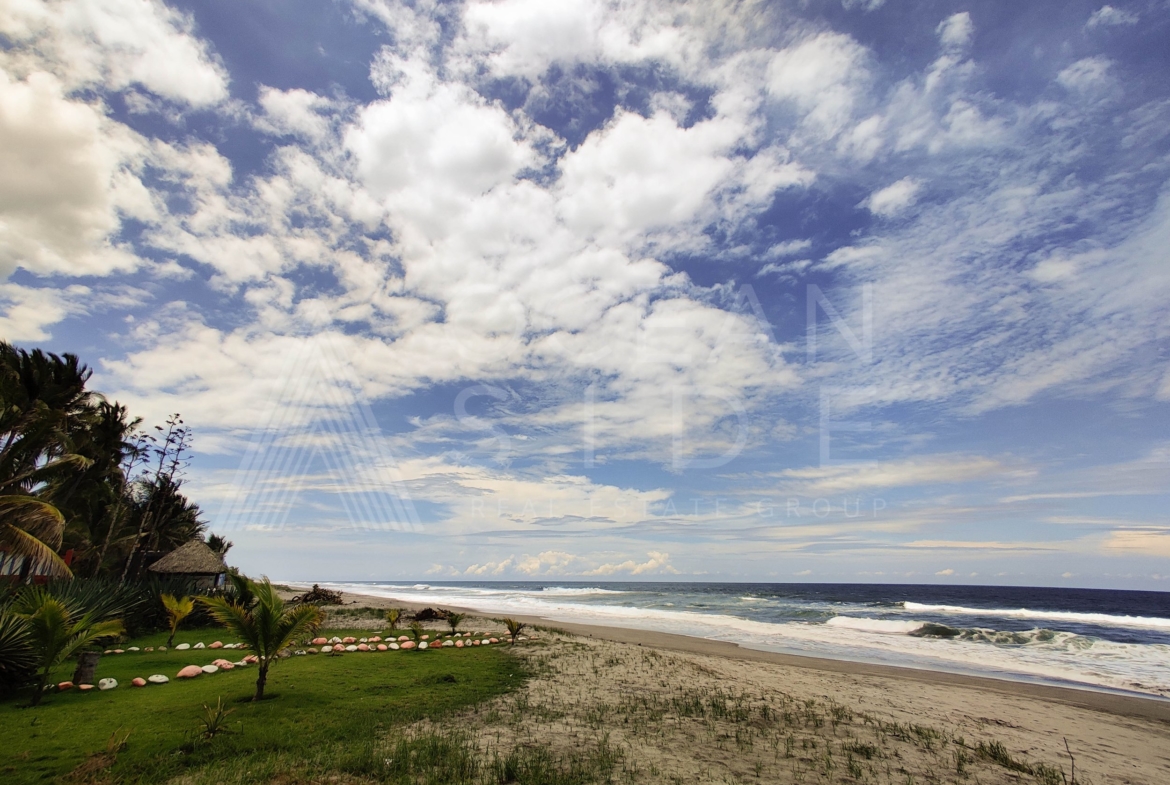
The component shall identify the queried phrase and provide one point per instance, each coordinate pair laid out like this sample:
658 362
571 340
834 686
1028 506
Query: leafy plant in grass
177 608
214 720
416 631
393 616
57 632
267 626
514 628
455 619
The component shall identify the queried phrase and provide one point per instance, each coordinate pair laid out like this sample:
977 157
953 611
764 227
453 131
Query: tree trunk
261 680
86 667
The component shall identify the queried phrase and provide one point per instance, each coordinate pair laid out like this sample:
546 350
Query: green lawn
325 713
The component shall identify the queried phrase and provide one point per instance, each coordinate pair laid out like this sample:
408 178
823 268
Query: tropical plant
514 628
416 631
455 619
267 626
17 659
220 545
57 632
177 608
214 720
32 529
393 616
239 590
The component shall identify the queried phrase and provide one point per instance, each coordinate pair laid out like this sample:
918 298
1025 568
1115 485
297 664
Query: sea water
1097 639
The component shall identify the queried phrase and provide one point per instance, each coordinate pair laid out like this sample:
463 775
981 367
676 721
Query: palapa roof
194 558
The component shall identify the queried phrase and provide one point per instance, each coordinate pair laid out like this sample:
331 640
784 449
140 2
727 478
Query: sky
832 290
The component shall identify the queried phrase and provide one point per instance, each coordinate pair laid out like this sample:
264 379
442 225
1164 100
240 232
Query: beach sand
680 709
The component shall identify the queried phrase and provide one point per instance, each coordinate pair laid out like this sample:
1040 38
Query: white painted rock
210 669
107 684
310 651
300 653
363 640
157 678
423 645
149 648
119 651
183 647
134 648
162 648
351 647
335 639
240 664
486 641
393 646
199 645
448 644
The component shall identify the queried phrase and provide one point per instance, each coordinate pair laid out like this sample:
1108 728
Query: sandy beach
687 709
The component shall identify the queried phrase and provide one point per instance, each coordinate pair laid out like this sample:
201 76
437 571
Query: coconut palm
57 631
416 631
177 608
514 628
455 619
393 616
32 528
266 627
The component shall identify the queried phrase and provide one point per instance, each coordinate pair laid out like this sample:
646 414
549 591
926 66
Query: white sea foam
1105 619
884 626
1060 658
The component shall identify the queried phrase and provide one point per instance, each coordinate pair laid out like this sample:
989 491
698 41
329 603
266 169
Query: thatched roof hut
193 560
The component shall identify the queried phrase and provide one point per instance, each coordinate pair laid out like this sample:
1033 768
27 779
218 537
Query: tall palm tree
32 529
266 627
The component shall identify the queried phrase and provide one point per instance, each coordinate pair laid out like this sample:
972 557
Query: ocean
1117 641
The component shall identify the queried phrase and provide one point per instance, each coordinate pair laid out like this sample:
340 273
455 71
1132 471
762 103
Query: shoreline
1137 706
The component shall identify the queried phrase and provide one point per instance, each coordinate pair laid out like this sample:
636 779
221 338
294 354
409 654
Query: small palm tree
177 608
267 626
416 631
392 616
455 619
514 628
57 632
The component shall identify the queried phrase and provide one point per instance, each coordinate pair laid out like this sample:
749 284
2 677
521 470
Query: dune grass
325 714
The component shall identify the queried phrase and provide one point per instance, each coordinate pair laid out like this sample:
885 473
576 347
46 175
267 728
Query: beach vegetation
393 615
214 720
177 609
514 628
267 627
56 632
454 620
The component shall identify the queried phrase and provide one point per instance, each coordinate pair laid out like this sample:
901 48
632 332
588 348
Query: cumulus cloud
894 198
114 44
67 175
1108 16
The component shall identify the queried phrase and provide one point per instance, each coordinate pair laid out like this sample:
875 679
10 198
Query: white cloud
114 44
955 31
1091 73
894 198
295 111
657 563
66 174
1108 16
945 572
823 76
863 476
26 312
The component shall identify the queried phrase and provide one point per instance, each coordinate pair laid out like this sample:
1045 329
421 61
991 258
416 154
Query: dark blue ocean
1099 639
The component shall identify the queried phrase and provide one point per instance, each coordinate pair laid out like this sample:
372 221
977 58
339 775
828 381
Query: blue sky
835 291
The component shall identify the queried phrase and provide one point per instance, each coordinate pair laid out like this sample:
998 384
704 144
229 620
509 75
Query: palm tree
416 631
177 608
514 628
32 528
392 616
57 631
266 627
455 619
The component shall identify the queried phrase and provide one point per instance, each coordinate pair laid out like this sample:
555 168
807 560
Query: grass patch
330 714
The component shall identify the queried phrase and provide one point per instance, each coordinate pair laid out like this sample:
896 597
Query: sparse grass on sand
561 710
